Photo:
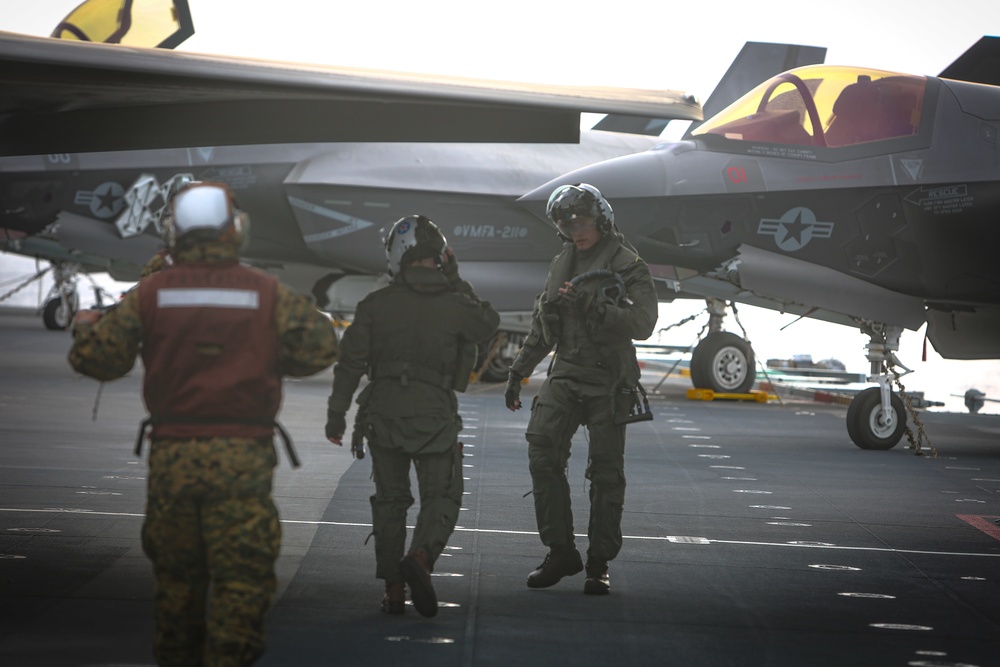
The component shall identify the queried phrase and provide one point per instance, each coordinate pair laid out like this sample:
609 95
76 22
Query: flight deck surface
755 534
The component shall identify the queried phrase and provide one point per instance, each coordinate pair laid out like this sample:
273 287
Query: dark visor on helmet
567 212
575 224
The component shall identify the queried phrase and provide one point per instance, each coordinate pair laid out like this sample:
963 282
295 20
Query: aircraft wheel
55 316
864 420
724 363
499 366
497 369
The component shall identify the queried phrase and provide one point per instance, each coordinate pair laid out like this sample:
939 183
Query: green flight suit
408 338
211 527
594 359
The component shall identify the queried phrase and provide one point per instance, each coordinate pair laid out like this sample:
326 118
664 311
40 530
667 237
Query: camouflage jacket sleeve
354 359
307 337
637 320
106 350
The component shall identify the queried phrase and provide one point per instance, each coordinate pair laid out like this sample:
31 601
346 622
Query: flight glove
586 303
450 266
512 396
336 424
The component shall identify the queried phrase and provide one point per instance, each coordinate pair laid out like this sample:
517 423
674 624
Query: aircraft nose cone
630 176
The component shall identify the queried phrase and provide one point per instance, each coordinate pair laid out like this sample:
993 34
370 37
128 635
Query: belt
153 421
417 374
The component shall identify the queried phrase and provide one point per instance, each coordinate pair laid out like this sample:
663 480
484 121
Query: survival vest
210 348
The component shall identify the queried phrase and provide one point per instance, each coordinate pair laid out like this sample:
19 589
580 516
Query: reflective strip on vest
207 298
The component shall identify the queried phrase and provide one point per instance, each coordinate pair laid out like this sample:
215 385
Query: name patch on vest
207 298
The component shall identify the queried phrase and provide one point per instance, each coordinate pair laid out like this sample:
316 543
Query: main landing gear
876 417
496 357
63 300
722 361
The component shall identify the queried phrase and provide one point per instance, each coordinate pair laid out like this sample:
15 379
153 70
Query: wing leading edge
69 97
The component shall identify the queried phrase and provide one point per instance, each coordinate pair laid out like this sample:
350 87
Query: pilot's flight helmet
568 203
205 211
412 238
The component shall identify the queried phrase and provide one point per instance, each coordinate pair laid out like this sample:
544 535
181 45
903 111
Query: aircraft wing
70 97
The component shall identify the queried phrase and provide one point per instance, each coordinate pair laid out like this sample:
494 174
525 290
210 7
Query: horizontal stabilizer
651 127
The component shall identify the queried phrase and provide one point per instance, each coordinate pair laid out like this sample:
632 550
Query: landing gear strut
876 418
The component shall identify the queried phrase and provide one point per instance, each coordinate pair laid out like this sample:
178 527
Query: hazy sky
627 43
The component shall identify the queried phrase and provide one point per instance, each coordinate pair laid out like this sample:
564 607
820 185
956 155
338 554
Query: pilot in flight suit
416 340
599 296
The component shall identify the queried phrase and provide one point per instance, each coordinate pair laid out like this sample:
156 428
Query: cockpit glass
823 105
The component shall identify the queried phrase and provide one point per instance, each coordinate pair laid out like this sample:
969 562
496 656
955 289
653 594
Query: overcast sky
629 43
626 43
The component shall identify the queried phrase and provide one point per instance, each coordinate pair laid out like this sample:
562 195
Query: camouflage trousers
439 478
562 405
212 533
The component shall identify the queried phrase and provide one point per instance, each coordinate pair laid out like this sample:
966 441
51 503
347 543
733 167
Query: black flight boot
598 582
416 567
558 563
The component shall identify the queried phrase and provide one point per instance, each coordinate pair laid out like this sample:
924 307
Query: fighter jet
317 209
93 135
857 196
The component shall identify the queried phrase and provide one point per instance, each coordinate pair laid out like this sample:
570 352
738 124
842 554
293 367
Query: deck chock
710 395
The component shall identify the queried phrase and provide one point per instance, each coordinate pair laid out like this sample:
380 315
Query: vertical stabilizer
980 64
757 62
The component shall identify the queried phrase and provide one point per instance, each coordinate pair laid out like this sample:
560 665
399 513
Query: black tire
55 317
724 363
499 365
864 421
497 369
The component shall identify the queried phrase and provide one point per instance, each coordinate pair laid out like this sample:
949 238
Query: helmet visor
573 223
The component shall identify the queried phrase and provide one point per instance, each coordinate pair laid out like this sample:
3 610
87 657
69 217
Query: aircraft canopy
824 105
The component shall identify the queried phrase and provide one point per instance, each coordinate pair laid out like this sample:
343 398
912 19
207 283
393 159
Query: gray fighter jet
857 196
317 209
93 136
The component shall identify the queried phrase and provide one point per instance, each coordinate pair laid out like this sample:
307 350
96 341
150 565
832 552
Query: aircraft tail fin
146 23
979 64
756 62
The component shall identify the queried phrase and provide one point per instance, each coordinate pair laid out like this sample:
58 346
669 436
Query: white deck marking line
663 538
